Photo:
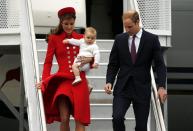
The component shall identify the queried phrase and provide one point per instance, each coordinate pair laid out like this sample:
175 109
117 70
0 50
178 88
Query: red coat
60 83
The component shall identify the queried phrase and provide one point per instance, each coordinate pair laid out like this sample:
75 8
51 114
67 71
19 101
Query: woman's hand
84 60
38 85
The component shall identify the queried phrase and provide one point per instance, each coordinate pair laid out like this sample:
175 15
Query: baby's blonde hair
91 30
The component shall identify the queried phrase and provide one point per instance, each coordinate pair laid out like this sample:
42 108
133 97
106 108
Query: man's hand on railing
162 94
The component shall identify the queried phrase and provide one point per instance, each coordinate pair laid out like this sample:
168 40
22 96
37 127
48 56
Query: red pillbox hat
66 10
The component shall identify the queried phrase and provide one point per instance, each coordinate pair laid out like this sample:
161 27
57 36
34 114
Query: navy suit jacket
120 64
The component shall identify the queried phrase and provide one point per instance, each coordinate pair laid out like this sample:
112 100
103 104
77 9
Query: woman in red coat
61 98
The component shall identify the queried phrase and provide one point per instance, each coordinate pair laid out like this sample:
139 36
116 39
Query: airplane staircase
32 57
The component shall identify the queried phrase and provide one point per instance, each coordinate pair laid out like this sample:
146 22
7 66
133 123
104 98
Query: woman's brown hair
59 29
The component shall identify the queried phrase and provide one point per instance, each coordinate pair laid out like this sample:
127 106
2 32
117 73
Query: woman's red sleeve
49 58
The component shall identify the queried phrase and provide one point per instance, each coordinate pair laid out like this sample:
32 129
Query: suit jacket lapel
126 46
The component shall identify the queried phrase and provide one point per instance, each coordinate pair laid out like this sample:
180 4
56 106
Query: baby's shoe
76 81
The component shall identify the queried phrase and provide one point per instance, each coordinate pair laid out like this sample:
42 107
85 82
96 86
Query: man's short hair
131 14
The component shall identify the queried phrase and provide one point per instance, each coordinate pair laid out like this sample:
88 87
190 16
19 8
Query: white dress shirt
137 40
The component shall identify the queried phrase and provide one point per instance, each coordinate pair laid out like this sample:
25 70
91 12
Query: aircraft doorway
105 16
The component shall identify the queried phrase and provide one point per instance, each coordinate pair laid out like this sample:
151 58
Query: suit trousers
122 102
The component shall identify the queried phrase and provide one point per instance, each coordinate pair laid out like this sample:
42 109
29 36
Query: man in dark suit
130 60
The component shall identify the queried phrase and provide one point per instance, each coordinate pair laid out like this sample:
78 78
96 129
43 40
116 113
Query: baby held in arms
88 48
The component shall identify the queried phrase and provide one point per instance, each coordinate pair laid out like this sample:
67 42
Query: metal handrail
156 103
37 75
155 110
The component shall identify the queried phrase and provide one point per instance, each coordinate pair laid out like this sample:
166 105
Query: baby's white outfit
87 50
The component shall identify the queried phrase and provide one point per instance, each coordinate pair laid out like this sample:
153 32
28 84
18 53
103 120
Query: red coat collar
72 35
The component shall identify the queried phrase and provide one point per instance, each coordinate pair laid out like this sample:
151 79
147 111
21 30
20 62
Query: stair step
101 71
97 82
103 44
100 97
97 124
104 56
105 111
